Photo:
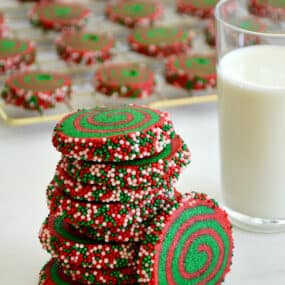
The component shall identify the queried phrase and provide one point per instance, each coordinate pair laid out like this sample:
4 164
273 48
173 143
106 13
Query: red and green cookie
192 72
71 248
84 47
51 274
189 244
122 276
151 171
106 193
134 12
15 54
160 41
125 80
198 8
113 134
36 90
102 216
59 15
274 9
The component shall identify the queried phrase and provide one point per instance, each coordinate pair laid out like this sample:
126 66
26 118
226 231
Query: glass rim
219 19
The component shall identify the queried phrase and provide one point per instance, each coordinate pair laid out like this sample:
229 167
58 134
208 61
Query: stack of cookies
112 202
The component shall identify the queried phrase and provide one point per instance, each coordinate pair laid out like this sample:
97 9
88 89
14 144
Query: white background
28 162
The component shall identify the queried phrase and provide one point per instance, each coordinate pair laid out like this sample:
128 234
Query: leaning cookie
192 72
160 41
15 54
135 12
199 8
189 244
274 9
71 248
127 80
36 90
59 15
84 47
151 171
113 134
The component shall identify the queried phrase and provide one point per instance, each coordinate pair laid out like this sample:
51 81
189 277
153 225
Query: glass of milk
251 95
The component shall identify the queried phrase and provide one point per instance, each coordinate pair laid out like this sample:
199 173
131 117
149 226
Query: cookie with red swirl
127 80
192 71
274 9
59 15
113 134
191 243
82 47
134 12
36 90
160 41
199 8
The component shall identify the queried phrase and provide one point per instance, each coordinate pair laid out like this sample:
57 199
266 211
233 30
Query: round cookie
73 249
274 9
123 276
125 80
59 15
189 244
151 171
160 41
106 193
84 47
102 215
135 12
15 54
113 134
199 8
36 90
192 72
51 274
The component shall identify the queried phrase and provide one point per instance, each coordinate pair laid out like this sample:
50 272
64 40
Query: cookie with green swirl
192 71
190 243
134 12
274 9
129 80
113 134
199 8
160 41
59 15
86 48
71 248
36 90
151 171
15 54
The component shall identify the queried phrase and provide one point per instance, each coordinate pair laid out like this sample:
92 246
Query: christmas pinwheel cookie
190 243
199 8
59 15
160 41
15 54
192 72
84 47
128 80
113 134
274 9
134 12
36 90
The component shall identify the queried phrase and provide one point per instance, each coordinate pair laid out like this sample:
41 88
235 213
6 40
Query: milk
251 83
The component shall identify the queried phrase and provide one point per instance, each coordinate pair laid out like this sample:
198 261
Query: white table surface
28 161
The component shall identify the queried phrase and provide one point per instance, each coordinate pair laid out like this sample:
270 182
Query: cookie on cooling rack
274 9
15 54
84 47
127 80
134 12
199 8
59 15
36 90
160 41
192 72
